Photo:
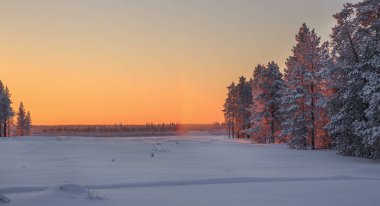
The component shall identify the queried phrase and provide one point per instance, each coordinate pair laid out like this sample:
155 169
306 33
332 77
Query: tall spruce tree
267 90
258 130
6 111
302 95
229 109
368 17
243 102
1 106
21 120
236 107
355 122
28 124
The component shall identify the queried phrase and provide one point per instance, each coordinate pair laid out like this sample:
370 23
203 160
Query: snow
199 170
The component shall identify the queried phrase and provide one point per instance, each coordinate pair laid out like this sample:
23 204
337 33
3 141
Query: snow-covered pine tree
344 105
21 119
368 17
275 86
229 109
355 125
1 108
267 90
303 90
28 124
6 111
323 77
243 102
258 131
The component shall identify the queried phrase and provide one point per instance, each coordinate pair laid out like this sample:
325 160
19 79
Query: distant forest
126 130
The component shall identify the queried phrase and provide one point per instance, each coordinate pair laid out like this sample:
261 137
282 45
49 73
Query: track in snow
213 181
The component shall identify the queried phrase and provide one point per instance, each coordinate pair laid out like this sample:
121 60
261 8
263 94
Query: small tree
28 124
6 111
229 109
21 116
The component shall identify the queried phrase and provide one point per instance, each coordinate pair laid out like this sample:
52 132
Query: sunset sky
114 61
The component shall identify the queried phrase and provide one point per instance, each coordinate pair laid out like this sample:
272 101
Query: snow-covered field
189 170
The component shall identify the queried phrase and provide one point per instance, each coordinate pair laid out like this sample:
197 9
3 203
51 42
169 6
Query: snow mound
4 199
69 188
159 148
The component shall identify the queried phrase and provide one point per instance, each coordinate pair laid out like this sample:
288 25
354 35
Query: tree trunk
377 27
353 48
312 118
304 126
233 129
21 129
5 128
9 128
272 127
229 128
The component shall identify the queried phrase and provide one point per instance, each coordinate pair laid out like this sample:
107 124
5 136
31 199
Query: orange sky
105 62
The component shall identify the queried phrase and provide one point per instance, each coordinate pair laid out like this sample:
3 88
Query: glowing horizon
133 62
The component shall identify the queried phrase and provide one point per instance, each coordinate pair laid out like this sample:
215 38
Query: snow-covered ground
183 170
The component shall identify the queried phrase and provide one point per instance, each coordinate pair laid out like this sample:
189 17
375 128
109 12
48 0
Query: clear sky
114 61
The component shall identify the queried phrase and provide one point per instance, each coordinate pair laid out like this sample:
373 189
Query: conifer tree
229 109
243 102
236 107
267 90
28 124
355 122
1 107
21 120
258 129
6 111
302 95
368 18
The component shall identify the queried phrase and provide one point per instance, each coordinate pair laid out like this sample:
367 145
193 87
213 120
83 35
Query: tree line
328 95
8 128
148 127
126 128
